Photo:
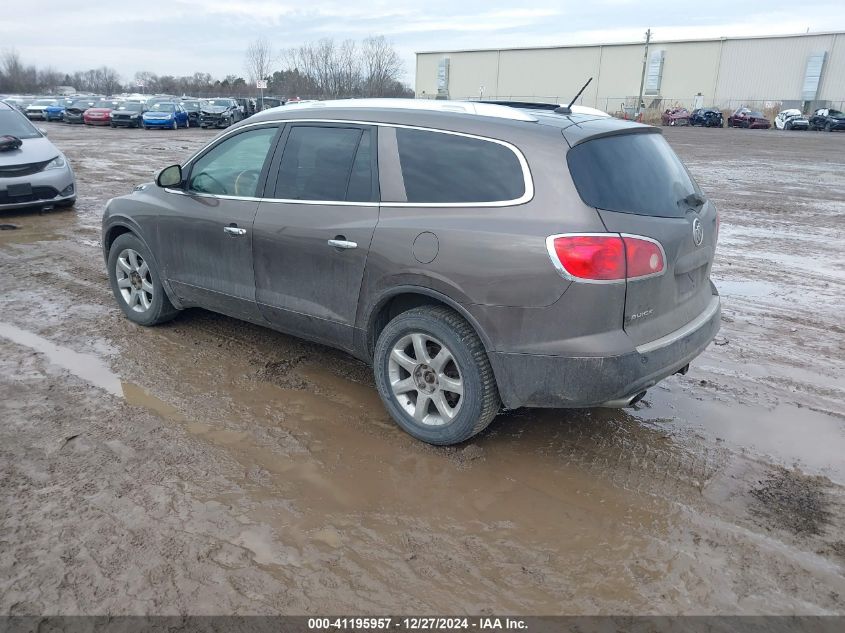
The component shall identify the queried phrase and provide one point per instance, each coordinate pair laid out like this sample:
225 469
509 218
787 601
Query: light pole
642 77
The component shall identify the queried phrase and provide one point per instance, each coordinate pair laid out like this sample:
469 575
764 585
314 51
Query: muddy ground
212 467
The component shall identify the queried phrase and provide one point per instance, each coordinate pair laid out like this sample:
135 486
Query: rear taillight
605 257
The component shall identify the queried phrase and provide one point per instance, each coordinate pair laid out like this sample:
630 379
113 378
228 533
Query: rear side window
447 168
325 163
631 173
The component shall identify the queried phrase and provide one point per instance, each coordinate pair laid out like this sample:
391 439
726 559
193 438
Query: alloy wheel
425 379
134 280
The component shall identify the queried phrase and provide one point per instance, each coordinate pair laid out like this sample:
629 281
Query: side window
324 163
447 168
233 167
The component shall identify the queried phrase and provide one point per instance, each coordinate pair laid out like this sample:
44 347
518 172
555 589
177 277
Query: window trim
283 124
189 164
273 175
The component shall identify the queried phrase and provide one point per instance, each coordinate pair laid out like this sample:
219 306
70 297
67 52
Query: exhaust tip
621 403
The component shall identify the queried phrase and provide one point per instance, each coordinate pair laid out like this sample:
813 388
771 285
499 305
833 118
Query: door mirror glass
170 176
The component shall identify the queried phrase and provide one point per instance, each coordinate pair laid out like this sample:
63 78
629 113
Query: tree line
326 69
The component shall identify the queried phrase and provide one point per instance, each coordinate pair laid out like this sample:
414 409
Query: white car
791 119
35 110
33 172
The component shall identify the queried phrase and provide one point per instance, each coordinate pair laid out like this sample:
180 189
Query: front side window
233 168
326 163
448 168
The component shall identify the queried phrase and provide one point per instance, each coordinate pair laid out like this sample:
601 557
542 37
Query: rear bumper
531 380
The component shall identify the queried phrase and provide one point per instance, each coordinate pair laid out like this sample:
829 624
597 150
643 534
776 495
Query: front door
312 236
207 240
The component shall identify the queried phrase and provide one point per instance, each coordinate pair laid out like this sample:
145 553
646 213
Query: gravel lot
209 466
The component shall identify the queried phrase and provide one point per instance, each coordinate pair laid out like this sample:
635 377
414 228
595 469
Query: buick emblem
697 232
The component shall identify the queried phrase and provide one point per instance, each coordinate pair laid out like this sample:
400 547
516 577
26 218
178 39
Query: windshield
836 113
104 104
225 103
80 104
191 105
756 115
631 173
131 107
164 107
15 124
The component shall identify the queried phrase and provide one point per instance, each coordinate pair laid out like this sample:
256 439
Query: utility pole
642 78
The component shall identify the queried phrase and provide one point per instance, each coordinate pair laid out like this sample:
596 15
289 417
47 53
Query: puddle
86 366
790 435
34 226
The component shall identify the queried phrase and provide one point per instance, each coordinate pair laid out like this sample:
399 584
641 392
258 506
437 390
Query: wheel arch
122 226
403 298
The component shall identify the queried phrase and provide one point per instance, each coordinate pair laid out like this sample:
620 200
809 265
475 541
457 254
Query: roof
458 107
635 43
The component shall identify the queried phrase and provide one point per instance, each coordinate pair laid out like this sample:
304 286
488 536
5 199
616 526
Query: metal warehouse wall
725 71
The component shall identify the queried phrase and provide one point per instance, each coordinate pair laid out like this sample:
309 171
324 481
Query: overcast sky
179 37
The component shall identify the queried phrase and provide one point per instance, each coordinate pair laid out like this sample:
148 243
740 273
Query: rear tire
434 376
136 284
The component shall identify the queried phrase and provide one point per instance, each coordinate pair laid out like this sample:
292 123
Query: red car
743 117
99 114
675 116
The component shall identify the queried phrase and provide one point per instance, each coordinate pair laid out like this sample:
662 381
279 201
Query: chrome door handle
344 244
233 230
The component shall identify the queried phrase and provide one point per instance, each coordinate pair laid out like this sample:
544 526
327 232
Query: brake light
605 257
591 257
643 257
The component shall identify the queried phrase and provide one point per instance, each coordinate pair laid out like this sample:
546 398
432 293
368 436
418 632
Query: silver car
33 172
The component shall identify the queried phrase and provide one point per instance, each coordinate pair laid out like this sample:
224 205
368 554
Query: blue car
165 114
56 112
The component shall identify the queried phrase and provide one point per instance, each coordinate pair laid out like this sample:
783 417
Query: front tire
136 284
434 377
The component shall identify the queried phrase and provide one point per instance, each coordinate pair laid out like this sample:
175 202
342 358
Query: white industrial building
788 70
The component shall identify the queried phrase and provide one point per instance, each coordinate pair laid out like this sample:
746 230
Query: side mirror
170 176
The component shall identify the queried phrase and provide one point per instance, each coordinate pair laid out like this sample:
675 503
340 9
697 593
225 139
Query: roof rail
431 105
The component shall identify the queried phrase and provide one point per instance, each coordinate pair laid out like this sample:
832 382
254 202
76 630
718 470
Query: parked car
165 114
827 119
56 112
743 117
219 113
75 111
706 117
192 107
127 114
791 119
33 173
589 283
675 116
35 110
99 113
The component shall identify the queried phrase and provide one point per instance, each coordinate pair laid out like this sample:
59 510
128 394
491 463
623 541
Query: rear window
631 173
447 168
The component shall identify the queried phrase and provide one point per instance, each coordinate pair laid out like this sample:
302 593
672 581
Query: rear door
312 237
640 187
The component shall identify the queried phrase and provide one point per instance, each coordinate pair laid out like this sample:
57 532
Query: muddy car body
476 254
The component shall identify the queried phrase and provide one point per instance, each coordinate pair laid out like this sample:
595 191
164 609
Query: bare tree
382 66
259 60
